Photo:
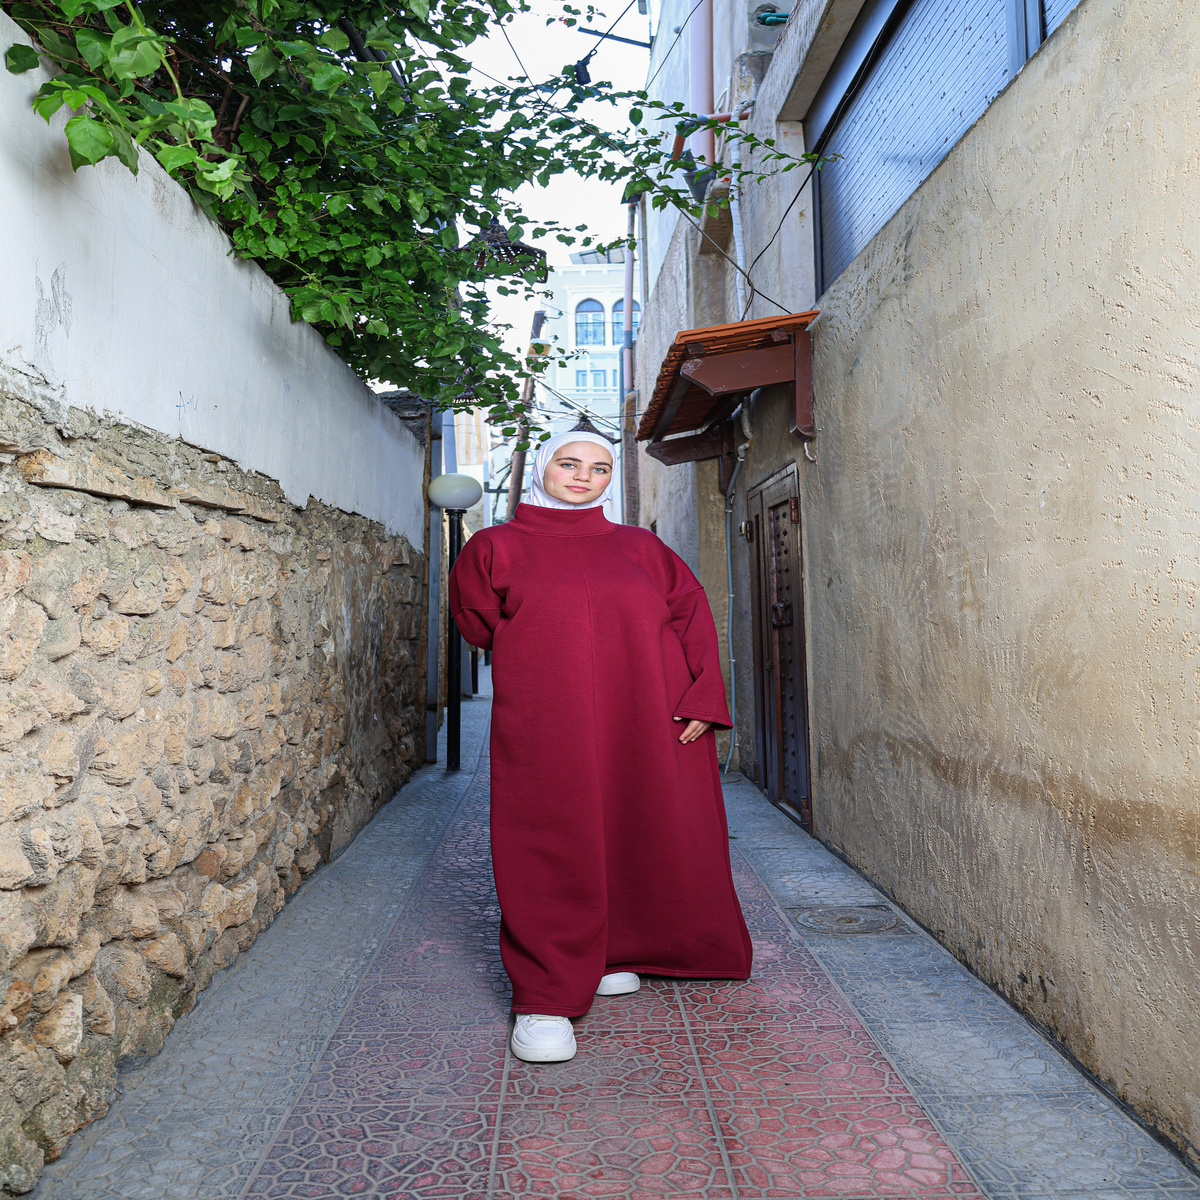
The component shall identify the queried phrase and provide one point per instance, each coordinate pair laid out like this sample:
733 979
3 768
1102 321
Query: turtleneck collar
561 522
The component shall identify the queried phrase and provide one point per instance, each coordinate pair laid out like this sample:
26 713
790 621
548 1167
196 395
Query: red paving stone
692 1090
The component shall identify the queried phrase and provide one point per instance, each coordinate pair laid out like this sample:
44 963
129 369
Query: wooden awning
707 372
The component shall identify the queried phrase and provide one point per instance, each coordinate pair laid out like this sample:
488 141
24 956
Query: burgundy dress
609 842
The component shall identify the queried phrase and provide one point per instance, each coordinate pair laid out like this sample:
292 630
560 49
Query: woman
609 843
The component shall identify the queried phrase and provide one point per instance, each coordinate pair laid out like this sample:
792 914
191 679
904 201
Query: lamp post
455 494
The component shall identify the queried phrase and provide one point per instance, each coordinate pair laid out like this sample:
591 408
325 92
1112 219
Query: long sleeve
692 621
475 606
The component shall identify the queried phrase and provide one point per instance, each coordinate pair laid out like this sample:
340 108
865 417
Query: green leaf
20 58
216 173
174 157
329 76
335 39
93 45
124 148
48 101
133 55
379 79
57 45
89 140
635 115
262 63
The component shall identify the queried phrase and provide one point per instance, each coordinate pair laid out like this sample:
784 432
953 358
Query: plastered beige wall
1004 551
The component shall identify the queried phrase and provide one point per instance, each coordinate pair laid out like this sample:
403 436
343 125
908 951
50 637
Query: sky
542 50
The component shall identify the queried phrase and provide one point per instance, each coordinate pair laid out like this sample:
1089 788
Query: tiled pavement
358 1050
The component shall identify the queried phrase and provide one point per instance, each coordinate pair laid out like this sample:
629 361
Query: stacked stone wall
204 693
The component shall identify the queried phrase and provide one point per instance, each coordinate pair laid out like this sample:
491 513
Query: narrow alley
359 1050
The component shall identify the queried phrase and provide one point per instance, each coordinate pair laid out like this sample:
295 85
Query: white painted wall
119 295
667 80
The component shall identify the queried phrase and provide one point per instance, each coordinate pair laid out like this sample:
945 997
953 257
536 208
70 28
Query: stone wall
204 693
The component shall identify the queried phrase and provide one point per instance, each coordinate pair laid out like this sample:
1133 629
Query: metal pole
432 693
628 392
453 658
516 478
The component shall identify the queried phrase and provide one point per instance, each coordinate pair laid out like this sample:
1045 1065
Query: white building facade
584 321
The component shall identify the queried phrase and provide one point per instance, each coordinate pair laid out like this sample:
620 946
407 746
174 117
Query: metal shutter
944 64
1056 11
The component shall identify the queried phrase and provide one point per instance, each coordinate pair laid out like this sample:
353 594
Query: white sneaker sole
619 989
542 1054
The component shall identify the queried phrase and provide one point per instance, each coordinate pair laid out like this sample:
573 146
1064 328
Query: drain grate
841 919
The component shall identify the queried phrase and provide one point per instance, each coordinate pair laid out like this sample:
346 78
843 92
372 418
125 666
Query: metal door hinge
794 508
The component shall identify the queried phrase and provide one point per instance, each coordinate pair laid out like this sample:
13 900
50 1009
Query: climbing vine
351 151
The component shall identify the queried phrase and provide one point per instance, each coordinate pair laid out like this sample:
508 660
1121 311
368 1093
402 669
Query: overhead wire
607 31
754 290
596 132
678 35
599 133
590 413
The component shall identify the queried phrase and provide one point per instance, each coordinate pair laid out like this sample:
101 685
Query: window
581 379
599 379
910 79
589 323
1054 12
618 317
616 379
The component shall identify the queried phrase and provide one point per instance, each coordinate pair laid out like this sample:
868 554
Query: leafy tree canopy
350 151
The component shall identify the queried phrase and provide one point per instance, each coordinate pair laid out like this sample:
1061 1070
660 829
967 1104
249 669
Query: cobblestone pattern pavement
1021 1117
686 1089
368 1037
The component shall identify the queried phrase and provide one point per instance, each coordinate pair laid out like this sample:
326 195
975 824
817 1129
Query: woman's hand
694 730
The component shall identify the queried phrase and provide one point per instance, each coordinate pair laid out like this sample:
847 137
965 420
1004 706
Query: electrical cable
599 133
545 102
678 35
605 34
579 407
753 290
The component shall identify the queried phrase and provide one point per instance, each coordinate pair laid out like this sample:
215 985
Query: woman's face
578 472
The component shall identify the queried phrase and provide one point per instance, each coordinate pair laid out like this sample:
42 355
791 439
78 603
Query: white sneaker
619 983
537 1038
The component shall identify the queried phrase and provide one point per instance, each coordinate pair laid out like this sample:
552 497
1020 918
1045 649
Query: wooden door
780 670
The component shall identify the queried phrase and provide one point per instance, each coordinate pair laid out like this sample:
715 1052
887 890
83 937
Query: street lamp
455 494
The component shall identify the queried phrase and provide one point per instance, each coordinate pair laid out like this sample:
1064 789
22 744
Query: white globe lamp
455 493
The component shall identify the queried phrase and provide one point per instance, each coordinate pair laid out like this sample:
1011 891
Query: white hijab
541 460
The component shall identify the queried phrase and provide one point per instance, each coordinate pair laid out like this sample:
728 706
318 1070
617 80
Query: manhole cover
873 918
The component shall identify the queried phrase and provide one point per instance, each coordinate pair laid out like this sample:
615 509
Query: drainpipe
735 211
643 244
700 75
628 398
748 434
